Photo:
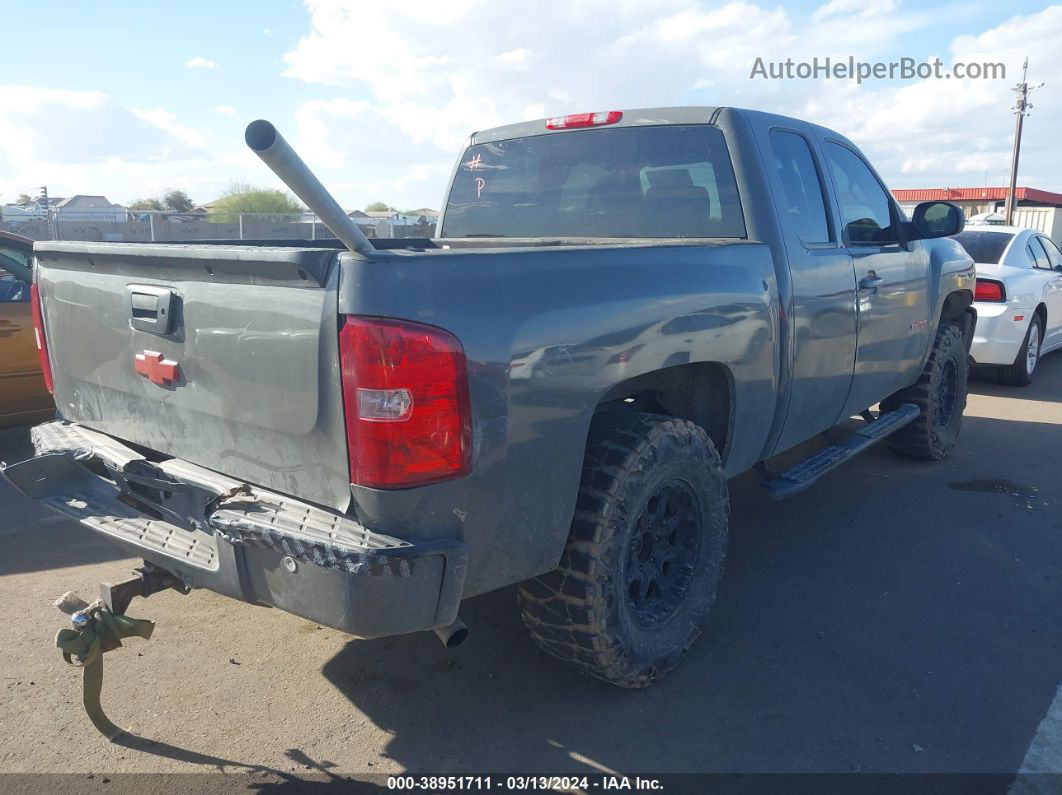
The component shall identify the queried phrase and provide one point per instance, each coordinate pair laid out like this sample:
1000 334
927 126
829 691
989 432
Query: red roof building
1034 208
1027 196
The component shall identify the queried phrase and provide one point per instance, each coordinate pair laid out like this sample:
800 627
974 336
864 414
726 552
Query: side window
12 289
15 275
804 201
1037 255
1054 256
866 211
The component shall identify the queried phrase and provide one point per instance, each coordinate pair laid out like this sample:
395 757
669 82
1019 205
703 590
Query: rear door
22 389
892 280
823 284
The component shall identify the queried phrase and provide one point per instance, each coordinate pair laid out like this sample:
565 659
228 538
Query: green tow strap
96 632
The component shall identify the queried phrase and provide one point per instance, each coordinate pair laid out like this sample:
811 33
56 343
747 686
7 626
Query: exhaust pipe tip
453 635
260 135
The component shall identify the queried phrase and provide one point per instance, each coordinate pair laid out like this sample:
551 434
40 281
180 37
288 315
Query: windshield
673 181
986 247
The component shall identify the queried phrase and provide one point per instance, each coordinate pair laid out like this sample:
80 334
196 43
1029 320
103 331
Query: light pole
1021 108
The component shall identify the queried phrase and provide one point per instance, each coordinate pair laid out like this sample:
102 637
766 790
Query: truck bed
547 331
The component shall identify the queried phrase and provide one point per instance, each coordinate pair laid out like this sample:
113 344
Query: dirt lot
898 616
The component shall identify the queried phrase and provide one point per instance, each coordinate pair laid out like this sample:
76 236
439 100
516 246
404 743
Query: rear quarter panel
542 330
1026 287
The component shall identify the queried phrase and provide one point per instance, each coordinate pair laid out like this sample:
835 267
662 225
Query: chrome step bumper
242 541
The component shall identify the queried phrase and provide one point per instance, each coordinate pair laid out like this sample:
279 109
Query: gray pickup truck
620 311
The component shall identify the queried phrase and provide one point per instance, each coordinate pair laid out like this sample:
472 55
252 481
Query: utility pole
1021 108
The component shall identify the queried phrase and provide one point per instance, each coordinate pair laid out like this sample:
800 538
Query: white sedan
1018 298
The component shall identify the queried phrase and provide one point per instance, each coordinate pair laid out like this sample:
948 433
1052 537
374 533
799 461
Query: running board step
799 476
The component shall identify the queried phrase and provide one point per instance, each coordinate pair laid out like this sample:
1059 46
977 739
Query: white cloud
518 56
959 132
361 155
854 8
200 63
385 119
86 142
85 126
431 78
167 122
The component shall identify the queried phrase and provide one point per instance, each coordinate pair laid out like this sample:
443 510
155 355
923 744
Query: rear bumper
241 541
997 336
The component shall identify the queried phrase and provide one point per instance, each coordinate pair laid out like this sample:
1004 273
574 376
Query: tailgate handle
151 308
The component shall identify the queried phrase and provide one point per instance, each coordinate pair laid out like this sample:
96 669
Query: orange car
23 395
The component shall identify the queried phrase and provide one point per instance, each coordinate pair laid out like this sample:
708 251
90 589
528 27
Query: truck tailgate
226 356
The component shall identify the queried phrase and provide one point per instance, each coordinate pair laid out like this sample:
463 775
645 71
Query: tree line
240 197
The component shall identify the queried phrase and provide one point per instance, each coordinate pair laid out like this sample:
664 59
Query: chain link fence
188 227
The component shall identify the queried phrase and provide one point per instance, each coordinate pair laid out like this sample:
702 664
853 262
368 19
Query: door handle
871 281
7 328
151 308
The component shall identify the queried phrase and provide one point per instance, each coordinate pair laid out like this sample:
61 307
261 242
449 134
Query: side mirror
936 219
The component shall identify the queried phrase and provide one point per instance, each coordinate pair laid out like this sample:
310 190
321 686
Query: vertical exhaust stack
264 140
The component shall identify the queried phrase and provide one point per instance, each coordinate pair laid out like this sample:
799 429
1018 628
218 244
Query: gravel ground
897 617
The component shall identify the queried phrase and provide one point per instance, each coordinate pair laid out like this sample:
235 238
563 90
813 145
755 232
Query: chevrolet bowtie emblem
156 369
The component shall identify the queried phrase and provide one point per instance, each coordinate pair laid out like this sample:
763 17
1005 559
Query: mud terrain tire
940 394
638 576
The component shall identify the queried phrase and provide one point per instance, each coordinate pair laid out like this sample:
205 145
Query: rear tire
940 394
1021 372
638 576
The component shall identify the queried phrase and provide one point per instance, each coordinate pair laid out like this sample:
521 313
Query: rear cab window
672 181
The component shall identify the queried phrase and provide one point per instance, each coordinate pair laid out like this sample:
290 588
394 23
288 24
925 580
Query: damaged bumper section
239 540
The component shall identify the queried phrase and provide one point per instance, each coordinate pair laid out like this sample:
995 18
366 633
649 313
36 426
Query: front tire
940 394
638 576
1021 372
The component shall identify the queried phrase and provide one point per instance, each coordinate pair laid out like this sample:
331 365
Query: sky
378 98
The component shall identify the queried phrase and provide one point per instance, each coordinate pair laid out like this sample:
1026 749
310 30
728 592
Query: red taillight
405 397
988 290
584 120
42 341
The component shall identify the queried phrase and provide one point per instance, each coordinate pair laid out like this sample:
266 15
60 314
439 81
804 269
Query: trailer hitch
100 627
